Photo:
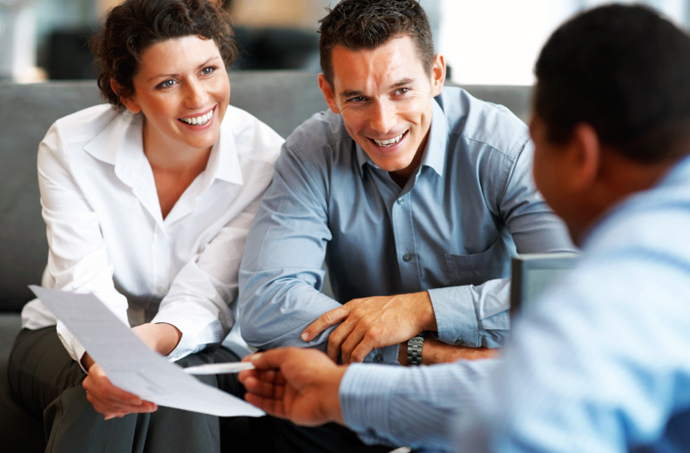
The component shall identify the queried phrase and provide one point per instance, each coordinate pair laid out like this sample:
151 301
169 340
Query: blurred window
496 42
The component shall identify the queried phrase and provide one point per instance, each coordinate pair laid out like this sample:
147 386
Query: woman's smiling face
183 91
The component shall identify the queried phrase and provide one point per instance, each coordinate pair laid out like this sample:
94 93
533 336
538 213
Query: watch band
414 349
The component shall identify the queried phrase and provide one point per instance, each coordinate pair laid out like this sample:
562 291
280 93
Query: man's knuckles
359 312
358 356
373 332
333 316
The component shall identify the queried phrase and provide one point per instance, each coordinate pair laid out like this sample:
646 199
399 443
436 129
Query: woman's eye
207 71
166 84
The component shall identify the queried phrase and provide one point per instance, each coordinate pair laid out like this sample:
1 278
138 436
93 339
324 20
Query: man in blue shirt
415 196
600 363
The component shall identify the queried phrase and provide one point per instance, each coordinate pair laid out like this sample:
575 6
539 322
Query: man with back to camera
600 363
372 187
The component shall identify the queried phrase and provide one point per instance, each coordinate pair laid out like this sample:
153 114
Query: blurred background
486 42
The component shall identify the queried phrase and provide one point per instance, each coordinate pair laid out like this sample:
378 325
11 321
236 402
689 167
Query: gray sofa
282 99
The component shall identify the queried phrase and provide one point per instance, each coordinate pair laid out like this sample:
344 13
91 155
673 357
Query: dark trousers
331 438
47 382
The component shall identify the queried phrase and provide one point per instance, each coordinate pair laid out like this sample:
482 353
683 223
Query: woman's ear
128 101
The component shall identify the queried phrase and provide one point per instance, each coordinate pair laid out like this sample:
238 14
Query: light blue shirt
451 230
601 363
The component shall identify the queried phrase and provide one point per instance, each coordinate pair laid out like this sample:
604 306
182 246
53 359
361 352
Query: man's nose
383 117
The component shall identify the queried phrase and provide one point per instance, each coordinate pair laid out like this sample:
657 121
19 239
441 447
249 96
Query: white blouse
107 235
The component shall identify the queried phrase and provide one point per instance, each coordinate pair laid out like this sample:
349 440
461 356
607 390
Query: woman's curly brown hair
136 25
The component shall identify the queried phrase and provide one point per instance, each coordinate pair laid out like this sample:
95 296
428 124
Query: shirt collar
224 163
436 146
435 153
679 174
106 144
121 144
362 158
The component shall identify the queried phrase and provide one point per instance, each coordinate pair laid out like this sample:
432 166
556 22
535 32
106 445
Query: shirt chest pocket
478 268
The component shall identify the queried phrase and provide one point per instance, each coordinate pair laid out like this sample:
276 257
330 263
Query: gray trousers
47 382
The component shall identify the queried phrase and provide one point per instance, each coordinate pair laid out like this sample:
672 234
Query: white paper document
130 364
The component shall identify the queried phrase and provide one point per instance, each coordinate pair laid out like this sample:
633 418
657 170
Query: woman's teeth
389 142
198 120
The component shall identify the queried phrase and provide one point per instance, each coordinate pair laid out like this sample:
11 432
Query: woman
147 203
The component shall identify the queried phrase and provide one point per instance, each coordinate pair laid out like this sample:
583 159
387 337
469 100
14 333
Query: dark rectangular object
533 273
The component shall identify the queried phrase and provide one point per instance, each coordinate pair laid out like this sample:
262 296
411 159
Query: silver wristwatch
414 349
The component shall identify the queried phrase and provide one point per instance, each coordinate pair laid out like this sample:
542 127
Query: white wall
497 41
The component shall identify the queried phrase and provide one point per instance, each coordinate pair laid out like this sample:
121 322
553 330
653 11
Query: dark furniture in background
68 56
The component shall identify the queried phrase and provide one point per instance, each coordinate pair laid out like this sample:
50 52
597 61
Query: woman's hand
108 399
112 401
162 338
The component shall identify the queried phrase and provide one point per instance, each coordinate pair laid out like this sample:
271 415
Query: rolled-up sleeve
282 269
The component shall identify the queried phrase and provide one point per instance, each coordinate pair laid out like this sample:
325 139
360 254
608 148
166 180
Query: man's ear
328 94
584 158
438 74
128 102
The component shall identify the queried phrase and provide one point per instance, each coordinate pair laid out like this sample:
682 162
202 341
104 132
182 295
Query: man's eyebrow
402 83
351 93
395 86
175 75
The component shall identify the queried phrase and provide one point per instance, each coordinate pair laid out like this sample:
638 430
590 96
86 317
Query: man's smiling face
385 98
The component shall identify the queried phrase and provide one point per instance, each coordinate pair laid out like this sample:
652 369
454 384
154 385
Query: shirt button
160 290
407 257
401 200
378 358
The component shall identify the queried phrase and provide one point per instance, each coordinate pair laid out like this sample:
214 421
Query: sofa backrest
282 99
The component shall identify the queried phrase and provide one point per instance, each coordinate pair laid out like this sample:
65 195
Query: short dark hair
368 24
625 71
135 25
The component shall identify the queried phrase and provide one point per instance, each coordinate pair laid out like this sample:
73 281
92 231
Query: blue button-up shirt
601 363
450 230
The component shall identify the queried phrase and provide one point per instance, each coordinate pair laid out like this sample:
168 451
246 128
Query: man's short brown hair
368 24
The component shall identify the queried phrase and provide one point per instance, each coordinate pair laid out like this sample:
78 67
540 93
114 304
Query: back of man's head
368 24
625 71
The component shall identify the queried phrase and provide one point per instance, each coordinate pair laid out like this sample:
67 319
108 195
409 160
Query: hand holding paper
109 400
130 365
